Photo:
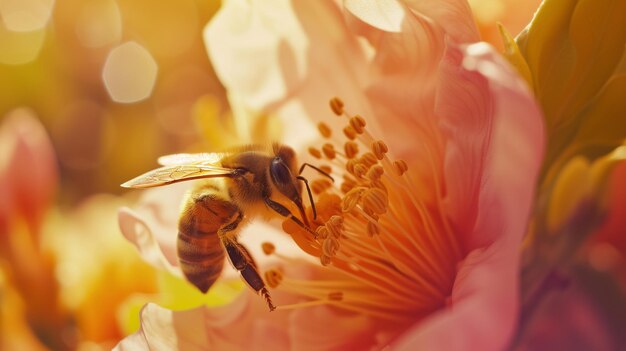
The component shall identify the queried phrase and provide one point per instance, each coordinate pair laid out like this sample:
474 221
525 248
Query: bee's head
284 177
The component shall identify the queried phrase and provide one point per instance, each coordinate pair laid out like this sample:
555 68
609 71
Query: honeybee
235 186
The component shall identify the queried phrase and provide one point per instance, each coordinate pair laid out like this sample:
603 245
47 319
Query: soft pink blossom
456 112
28 169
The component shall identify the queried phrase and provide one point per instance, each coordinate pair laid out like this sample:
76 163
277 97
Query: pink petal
152 227
455 17
28 167
288 58
386 15
483 307
324 328
246 324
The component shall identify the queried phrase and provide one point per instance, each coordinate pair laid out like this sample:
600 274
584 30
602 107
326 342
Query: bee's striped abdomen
200 251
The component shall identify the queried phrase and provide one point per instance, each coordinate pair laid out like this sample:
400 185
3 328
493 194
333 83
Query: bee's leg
284 211
232 225
243 262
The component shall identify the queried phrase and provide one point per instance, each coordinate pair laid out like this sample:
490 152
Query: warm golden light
99 24
129 73
25 15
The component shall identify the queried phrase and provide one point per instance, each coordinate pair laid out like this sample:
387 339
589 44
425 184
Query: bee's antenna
315 168
308 190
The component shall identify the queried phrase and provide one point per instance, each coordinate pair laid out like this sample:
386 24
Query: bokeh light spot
17 48
129 73
99 23
25 15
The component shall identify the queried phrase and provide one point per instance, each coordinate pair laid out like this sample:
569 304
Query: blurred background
91 93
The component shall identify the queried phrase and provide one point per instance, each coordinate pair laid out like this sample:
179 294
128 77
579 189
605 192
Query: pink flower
419 245
28 169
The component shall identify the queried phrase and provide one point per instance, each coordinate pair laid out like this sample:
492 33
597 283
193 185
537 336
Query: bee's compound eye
281 175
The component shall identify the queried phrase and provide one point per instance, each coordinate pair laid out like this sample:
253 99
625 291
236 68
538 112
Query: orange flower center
389 254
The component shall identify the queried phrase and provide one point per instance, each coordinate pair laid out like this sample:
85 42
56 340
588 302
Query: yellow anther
351 148
320 185
368 159
351 199
324 129
358 124
324 260
329 151
322 232
273 278
326 168
315 152
380 149
349 132
337 106
375 172
330 246
401 167
372 229
360 170
335 296
268 248
375 200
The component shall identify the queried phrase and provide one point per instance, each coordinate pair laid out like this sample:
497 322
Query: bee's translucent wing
181 167
191 159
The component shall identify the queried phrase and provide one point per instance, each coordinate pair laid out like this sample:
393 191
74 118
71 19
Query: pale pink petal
246 324
141 234
453 15
152 226
288 58
386 15
28 166
483 307
484 316
324 328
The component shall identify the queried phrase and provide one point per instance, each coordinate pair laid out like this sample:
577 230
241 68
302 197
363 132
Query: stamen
335 226
349 132
374 173
320 185
324 129
401 167
372 229
360 170
350 165
329 151
376 200
330 246
351 199
380 149
351 148
315 152
358 124
383 245
268 248
368 159
322 232
325 260
337 106
273 278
